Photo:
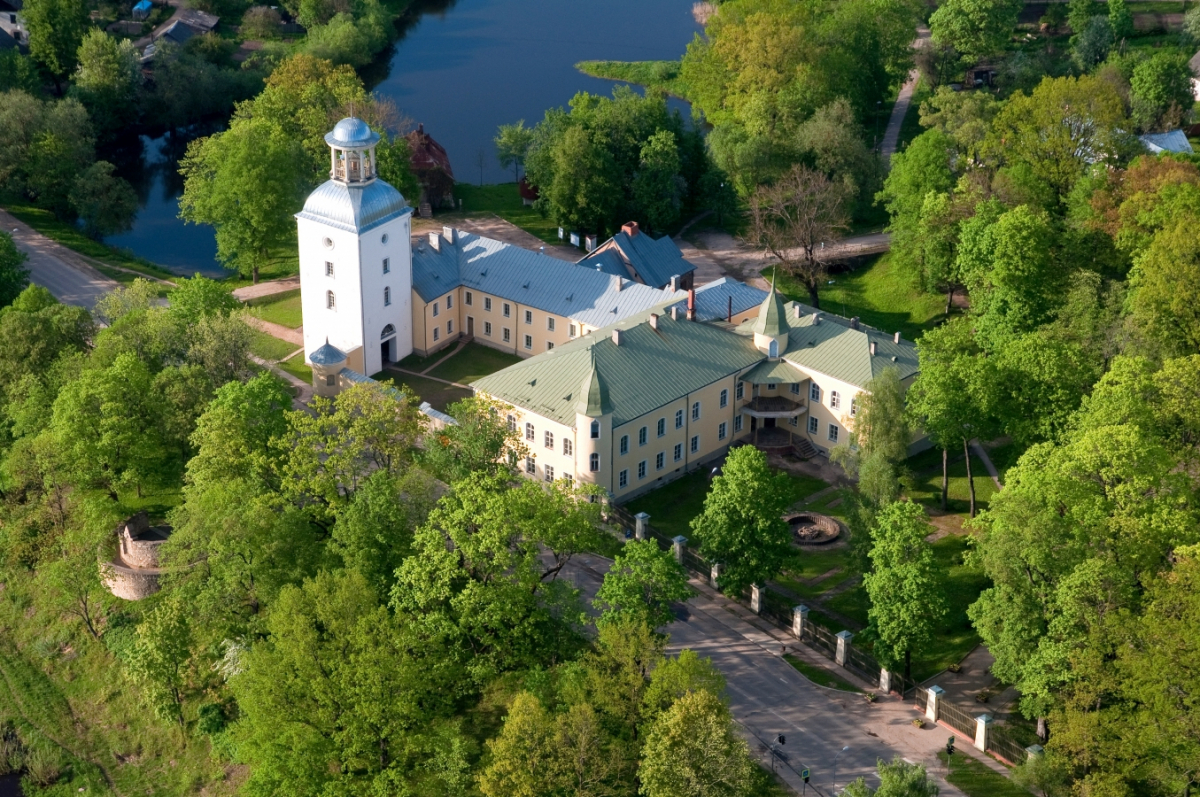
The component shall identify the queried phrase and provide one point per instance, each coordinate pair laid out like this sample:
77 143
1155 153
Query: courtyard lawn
976 779
475 361
505 201
955 638
672 506
879 294
809 564
416 363
438 394
279 308
271 348
927 486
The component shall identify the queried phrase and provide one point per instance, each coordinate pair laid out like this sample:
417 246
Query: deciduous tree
56 29
794 218
976 28
106 204
643 580
14 277
906 590
107 80
512 144
694 751
897 779
160 657
742 525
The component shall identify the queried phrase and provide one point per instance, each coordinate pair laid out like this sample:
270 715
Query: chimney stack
816 319
691 315
590 242
896 338
729 316
448 234
616 337
617 283
873 348
630 228
654 320
675 313
854 322
435 242
674 283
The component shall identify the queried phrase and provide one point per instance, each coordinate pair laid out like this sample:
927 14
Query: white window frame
487 328
678 419
507 310
835 401
449 301
741 390
642 469
662 426
814 425
724 398
550 323
832 433
660 460
548 439
737 423
436 311
529 317
595 430
507 336
529 343
437 334
722 430
571 330
330 301
469 299
387 296
623 446
549 473
694 447
530 432
643 435
695 410
450 327
530 465
814 392
594 463
568 447
487 303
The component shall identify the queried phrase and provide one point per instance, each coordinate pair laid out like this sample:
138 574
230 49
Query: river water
460 68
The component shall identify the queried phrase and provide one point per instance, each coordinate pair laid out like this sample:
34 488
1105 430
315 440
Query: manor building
631 376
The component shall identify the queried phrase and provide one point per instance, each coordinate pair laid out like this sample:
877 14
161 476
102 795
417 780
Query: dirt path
891 136
294 336
247 292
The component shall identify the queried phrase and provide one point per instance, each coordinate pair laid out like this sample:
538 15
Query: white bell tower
356 258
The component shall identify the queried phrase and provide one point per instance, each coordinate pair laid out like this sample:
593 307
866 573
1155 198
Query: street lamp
835 760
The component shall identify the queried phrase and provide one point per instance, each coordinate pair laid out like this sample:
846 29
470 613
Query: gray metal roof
713 299
608 262
1171 141
355 207
530 279
775 372
351 132
654 260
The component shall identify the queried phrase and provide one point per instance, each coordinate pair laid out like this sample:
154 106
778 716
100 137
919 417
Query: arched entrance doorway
387 346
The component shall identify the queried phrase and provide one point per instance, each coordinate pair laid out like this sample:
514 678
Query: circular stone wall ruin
134 572
811 528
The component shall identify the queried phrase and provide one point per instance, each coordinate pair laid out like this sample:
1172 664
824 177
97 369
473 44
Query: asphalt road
63 272
769 697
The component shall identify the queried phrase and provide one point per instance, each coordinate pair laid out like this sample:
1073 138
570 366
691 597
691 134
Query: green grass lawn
475 361
654 75
955 638
438 394
505 202
297 368
672 506
819 676
417 363
279 308
1004 457
271 348
877 293
928 488
72 237
809 564
976 779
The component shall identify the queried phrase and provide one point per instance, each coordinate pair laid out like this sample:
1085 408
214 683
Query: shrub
10 750
44 765
261 22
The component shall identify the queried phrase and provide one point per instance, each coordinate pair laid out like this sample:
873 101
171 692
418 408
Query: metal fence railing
1005 746
822 641
862 665
956 718
776 608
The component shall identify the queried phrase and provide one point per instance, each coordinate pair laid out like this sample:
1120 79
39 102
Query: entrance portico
776 403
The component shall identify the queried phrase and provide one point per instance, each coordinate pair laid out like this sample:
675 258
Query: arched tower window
388 331
773 348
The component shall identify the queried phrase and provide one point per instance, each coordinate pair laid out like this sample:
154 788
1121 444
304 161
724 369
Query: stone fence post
714 576
933 707
799 620
640 530
680 544
755 598
843 647
983 729
885 680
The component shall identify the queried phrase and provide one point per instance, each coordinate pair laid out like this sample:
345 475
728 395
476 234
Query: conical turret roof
772 315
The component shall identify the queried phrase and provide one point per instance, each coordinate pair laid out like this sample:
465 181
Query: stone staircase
804 449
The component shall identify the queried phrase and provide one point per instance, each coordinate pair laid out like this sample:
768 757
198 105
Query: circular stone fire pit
810 528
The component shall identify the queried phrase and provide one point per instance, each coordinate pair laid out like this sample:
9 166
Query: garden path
247 292
891 136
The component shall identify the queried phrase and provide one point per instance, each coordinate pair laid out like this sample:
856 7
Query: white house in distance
356 258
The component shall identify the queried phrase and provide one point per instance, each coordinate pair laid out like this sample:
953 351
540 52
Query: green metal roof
772 315
593 395
836 349
650 368
773 372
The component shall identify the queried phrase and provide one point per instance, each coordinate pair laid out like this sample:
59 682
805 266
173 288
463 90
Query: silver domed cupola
352 152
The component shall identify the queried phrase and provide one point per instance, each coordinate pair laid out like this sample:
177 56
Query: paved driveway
57 268
769 697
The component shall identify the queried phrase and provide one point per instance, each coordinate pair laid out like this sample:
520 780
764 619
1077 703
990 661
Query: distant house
529 194
431 166
1171 141
176 32
1195 65
633 254
142 10
199 21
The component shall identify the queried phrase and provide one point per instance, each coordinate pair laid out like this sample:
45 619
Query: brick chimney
691 316
630 228
654 320
896 338
854 322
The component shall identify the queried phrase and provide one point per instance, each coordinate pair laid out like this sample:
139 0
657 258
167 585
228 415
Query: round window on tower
384 238
328 243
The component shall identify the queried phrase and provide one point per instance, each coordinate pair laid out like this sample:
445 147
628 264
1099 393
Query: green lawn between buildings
878 293
505 201
278 308
475 361
271 348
